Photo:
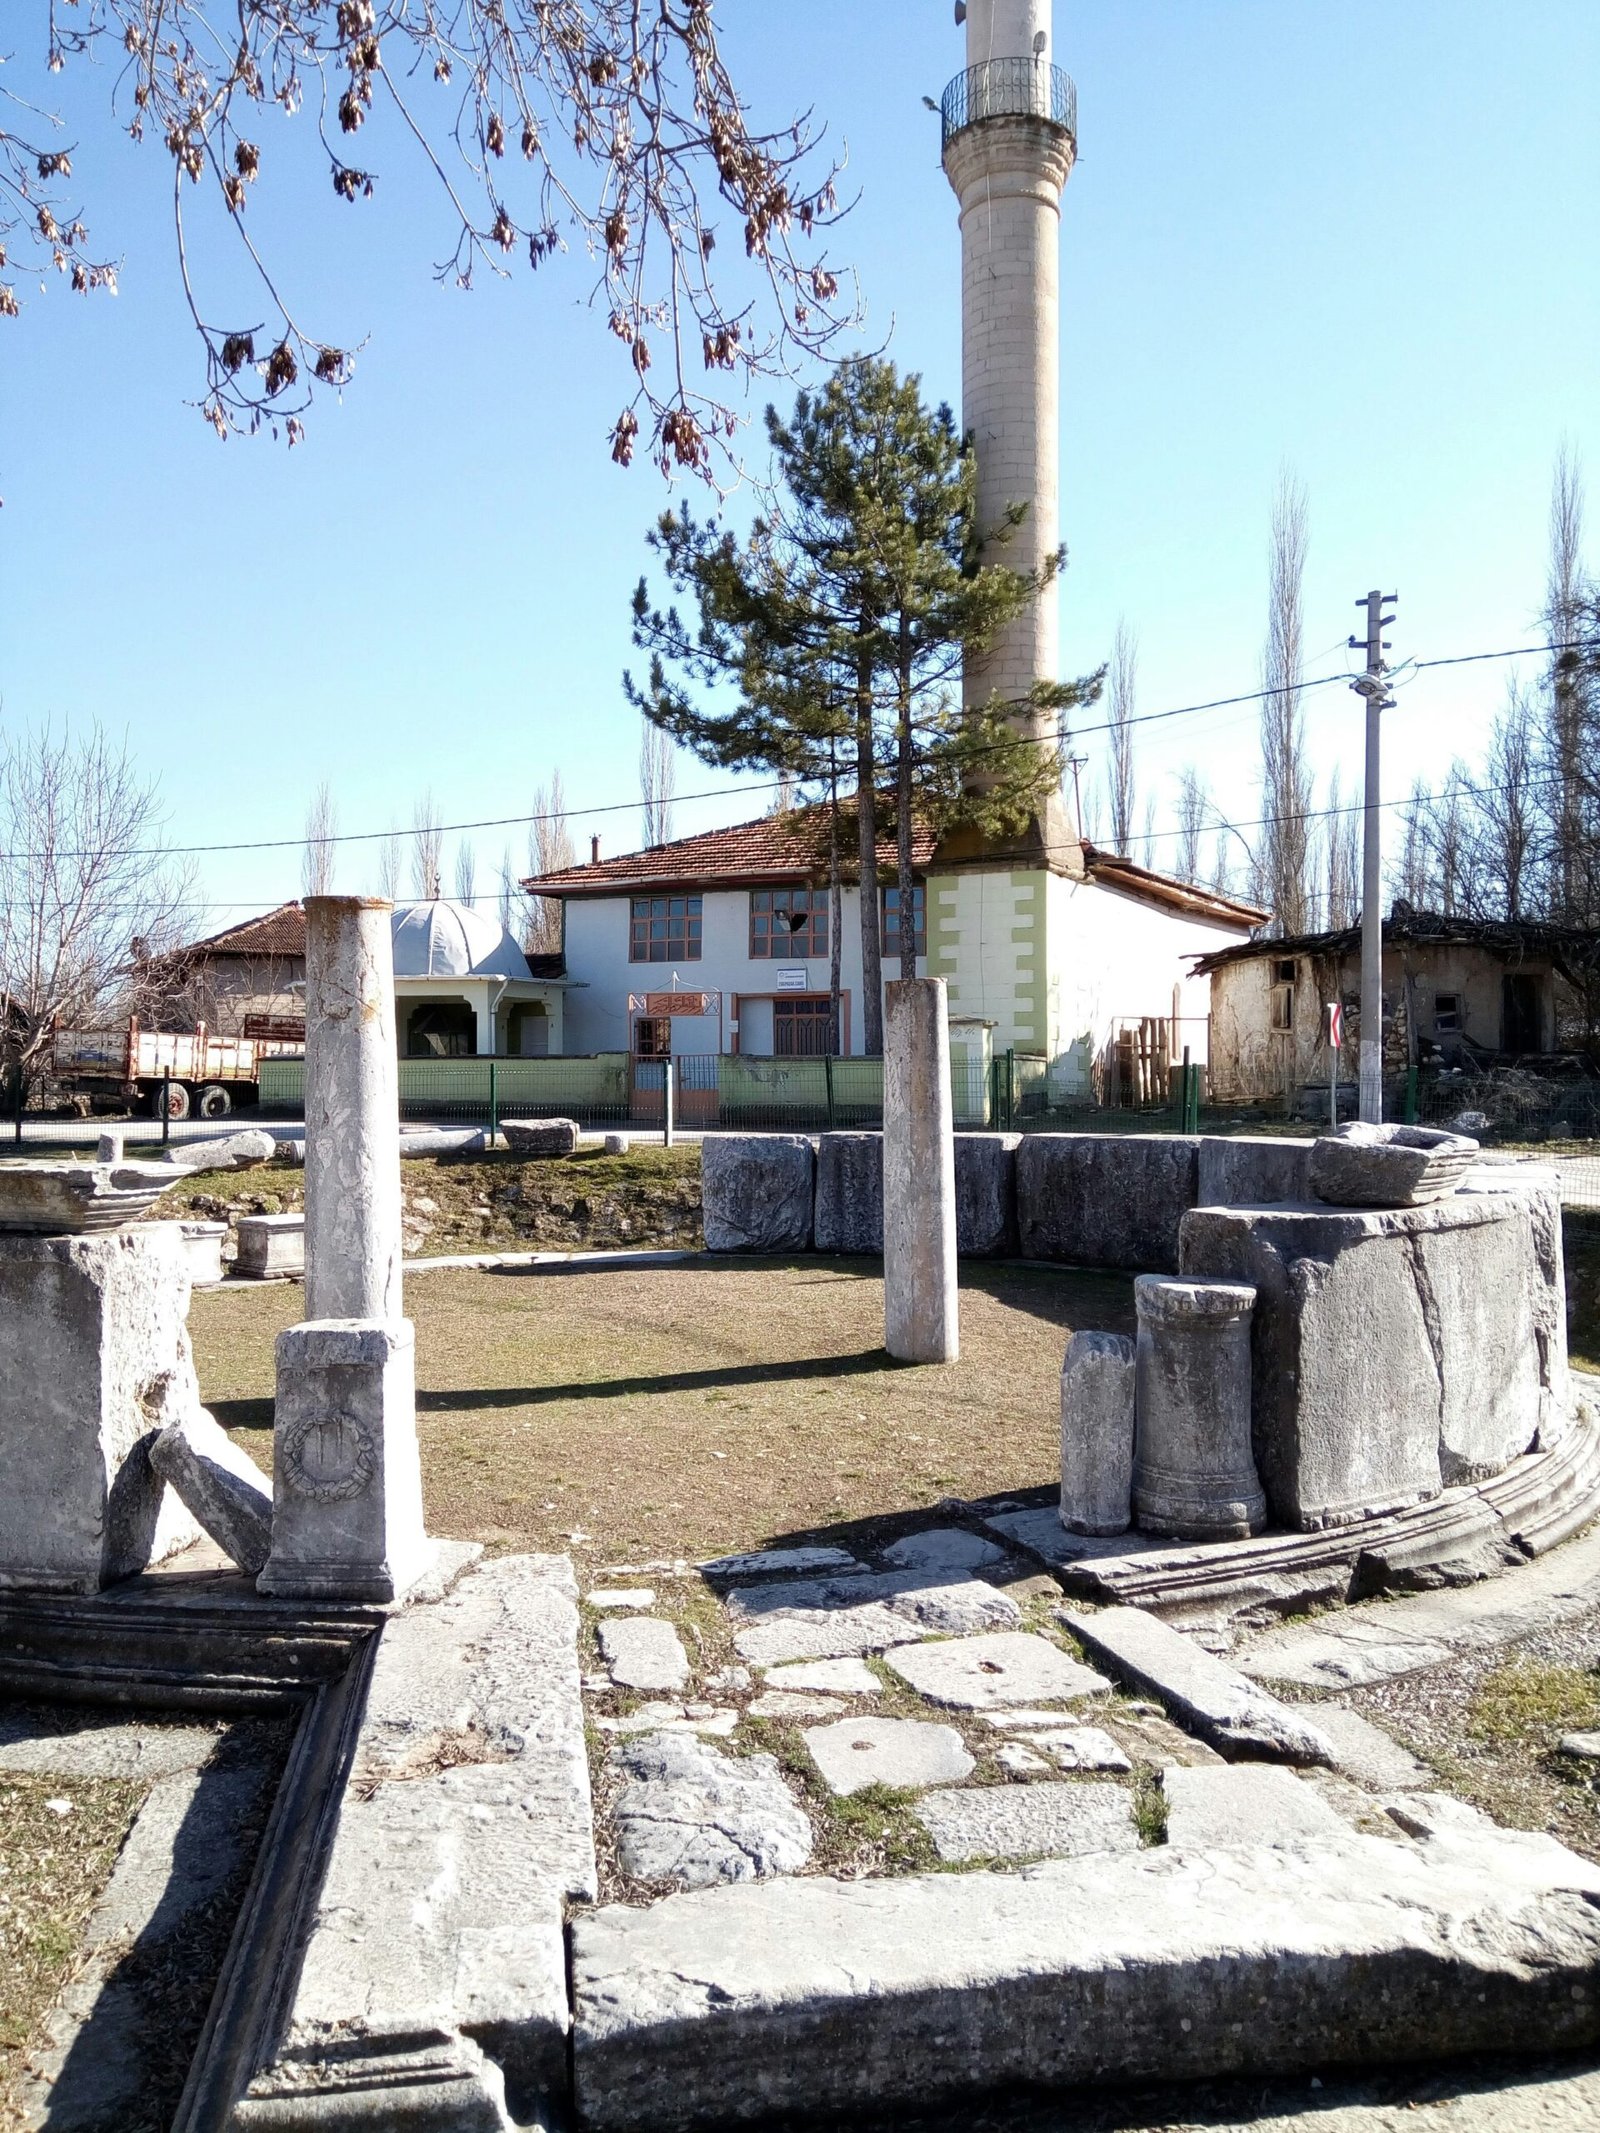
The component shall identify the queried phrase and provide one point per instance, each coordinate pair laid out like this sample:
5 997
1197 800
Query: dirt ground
684 1411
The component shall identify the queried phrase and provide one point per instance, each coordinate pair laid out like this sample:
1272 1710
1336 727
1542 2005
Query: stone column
346 1480
352 1112
1194 1475
920 1309
1097 1405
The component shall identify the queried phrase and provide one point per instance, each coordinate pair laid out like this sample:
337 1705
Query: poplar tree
841 622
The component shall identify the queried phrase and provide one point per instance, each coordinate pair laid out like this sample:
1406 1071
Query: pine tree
841 623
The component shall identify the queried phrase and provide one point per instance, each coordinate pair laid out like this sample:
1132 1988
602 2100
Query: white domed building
464 989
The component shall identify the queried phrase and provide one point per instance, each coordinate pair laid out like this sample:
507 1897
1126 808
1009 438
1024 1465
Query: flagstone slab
644 1653
944 1549
691 1815
984 1673
824 1633
903 1752
1059 1820
838 1677
1244 1803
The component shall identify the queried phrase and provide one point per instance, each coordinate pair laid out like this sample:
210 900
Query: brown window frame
652 1036
890 921
816 1018
665 929
807 943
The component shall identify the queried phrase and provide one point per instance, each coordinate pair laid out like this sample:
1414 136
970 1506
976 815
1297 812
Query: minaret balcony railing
1010 88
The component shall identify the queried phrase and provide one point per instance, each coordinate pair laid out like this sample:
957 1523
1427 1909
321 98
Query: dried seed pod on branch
633 138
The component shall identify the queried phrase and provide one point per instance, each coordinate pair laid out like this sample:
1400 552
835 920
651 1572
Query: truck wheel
173 1098
215 1102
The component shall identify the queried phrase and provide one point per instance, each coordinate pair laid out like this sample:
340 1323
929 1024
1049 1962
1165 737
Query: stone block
1252 1170
1392 1352
222 1487
1228 1712
202 1247
690 1815
947 1551
1059 1820
1106 1199
840 2002
1097 1409
644 1655
271 1245
756 1191
1244 1804
540 1136
1389 1166
617 1144
230 1151
346 1479
1193 1475
778 1562
986 1194
94 1362
921 1301
836 1677
56 1199
849 1207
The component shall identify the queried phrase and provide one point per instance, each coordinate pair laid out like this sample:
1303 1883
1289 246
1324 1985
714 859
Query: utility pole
1371 686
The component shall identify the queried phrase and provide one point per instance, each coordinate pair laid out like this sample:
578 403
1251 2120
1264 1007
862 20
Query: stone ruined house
719 943
247 981
1457 992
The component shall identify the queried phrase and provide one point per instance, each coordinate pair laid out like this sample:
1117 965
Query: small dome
445 939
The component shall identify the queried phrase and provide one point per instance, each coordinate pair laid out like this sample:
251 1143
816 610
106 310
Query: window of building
788 923
1283 993
891 919
665 929
441 1029
802 1028
1446 1012
652 1037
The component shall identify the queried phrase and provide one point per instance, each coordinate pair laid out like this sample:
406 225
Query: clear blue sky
1356 239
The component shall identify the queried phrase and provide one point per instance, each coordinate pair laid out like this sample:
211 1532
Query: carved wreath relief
329 1457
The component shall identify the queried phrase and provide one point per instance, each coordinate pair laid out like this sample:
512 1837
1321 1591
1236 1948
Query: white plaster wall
1110 958
601 976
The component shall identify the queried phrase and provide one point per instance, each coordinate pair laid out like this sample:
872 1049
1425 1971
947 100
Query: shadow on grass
243 1414
455 1401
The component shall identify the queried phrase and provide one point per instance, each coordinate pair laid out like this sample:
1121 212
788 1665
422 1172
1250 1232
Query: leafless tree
427 850
658 780
321 852
89 897
1341 846
624 120
466 871
1410 876
1147 843
1194 804
1285 774
391 861
1122 688
549 850
1507 810
1570 792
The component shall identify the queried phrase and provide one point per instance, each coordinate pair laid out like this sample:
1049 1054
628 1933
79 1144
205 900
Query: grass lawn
692 1410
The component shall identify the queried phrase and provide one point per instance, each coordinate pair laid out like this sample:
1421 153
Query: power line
766 785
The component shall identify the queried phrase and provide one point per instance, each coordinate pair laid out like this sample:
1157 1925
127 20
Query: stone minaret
1010 136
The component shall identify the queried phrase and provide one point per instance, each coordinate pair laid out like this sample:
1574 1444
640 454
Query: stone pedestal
271 1247
352 1099
986 1195
94 1362
920 1306
346 1480
1396 1351
756 1190
1097 1395
1194 1477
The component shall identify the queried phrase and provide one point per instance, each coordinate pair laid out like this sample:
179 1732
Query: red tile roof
773 848
275 933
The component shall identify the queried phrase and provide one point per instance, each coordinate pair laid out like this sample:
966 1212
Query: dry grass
53 1866
691 1410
